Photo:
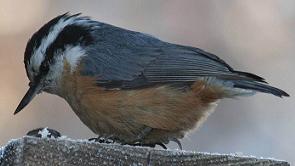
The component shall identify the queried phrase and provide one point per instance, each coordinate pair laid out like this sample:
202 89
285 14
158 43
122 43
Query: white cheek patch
73 55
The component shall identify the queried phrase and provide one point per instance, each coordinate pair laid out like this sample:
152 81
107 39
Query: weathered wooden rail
45 151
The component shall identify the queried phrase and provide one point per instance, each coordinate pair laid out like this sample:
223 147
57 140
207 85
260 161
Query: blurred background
254 36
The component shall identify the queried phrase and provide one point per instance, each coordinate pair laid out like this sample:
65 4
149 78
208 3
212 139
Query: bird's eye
30 84
48 82
43 67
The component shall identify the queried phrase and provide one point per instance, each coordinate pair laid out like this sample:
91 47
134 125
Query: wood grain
44 151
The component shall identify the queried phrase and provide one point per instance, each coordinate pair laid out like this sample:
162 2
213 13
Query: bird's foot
100 139
152 145
177 142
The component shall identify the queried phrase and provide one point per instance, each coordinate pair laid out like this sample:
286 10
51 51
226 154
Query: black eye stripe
70 35
43 67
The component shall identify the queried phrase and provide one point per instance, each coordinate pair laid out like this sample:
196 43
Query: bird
129 86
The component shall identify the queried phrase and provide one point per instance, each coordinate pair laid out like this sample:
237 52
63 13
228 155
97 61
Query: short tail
257 84
260 87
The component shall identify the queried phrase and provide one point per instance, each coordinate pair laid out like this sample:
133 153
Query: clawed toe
102 140
177 142
152 145
162 145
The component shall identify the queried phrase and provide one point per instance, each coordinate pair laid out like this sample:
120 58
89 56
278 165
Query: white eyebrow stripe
39 53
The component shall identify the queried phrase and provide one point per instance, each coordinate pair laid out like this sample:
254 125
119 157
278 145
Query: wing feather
126 59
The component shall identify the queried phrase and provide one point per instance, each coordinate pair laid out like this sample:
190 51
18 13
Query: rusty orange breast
126 112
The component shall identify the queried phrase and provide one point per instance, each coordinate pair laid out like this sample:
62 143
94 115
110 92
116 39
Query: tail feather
250 75
260 87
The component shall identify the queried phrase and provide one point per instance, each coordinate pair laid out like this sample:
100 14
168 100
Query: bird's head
63 39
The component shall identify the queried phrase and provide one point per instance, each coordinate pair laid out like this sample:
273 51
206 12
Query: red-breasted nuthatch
129 86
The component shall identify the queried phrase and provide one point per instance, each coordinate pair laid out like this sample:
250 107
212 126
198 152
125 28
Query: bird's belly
125 114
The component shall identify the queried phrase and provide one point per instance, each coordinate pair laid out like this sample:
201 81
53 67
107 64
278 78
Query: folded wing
126 59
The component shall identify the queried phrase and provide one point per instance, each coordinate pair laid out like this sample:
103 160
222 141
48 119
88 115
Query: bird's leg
140 139
143 134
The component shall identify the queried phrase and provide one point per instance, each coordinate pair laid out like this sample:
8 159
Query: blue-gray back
121 58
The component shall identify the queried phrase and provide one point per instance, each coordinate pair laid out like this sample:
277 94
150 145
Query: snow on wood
46 151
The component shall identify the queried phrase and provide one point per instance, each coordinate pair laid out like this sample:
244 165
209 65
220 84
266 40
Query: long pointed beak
31 93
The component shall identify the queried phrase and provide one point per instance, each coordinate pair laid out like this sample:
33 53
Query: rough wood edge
46 151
